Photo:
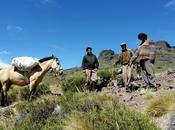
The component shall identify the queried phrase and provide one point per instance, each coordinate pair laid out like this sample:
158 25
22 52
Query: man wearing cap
124 59
146 52
90 65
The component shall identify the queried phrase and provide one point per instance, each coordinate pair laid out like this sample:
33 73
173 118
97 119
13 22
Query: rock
170 72
163 45
56 90
171 86
106 55
171 125
57 111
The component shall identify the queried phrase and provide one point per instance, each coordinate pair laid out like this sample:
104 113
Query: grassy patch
149 94
109 119
74 84
160 105
107 73
33 115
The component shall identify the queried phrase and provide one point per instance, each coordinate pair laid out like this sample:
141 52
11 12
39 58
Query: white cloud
170 4
4 52
3 64
14 28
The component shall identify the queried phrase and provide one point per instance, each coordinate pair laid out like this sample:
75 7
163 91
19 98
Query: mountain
165 55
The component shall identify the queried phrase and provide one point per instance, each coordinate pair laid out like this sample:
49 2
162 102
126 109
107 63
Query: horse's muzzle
61 72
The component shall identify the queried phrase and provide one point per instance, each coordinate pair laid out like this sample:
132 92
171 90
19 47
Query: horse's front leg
5 88
32 92
4 100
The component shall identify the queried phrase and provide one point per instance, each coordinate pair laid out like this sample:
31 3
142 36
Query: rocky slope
165 55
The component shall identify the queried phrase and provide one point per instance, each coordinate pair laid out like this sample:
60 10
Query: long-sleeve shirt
90 62
125 57
146 51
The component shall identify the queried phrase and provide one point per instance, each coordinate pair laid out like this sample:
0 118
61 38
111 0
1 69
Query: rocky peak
162 45
106 55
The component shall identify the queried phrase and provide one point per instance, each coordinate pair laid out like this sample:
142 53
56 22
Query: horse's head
56 66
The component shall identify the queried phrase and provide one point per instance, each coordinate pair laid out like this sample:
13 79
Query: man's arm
135 55
118 60
83 62
131 53
96 63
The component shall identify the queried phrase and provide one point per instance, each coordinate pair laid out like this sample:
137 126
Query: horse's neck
46 65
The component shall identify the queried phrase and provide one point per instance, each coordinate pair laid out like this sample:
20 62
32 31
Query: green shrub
78 121
24 93
54 122
109 119
82 111
74 84
13 95
42 89
149 94
86 102
107 73
33 115
101 112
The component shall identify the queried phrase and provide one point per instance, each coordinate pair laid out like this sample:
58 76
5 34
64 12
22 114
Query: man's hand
130 63
95 69
84 71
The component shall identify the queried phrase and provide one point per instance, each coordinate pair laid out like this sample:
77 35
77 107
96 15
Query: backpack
152 54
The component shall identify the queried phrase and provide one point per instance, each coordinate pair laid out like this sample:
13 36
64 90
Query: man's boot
94 86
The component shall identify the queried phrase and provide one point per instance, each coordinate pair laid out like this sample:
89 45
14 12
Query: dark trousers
148 72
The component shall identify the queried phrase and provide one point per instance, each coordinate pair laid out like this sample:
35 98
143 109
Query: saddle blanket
25 63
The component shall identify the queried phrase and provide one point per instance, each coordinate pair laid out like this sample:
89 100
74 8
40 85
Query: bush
107 73
33 115
109 119
78 121
87 102
160 105
149 94
13 95
24 93
89 111
81 111
74 84
54 122
42 89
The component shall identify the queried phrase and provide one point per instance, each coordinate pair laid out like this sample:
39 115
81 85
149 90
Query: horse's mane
45 59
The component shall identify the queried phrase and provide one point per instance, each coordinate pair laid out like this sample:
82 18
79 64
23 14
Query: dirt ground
138 99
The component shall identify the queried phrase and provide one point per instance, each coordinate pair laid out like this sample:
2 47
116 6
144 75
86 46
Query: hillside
64 103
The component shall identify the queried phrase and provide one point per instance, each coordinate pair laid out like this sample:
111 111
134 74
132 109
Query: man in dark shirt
90 65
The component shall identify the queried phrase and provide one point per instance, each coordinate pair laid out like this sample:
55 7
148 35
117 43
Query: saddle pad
25 63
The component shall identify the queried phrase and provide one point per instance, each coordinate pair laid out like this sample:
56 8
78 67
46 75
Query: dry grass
78 122
149 94
161 105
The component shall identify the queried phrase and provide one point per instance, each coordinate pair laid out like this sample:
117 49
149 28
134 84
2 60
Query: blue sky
40 28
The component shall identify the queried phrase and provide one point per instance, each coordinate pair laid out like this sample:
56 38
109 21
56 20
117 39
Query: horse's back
4 74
